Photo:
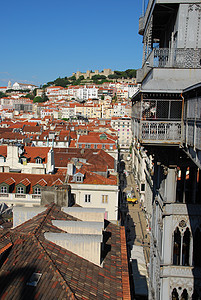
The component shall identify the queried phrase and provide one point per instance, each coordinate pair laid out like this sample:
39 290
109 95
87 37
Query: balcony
170 58
36 196
141 25
20 195
157 121
4 195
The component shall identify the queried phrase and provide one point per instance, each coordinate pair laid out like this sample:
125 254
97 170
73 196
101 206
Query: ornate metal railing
168 132
161 131
141 25
170 58
174 58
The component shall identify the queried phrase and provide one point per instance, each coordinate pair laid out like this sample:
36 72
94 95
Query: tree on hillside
38 99
44 96
2 95
30 96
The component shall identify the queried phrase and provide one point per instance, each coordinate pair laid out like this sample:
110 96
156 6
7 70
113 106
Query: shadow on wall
140 282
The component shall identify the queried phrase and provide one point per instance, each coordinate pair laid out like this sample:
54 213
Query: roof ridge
124 263
44 219
63 281
37 227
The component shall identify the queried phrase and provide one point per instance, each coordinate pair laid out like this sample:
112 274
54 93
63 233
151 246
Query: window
142 187
37 191
79 178
104 198
4 189
20 190
95 146
87 198
80 145
88 146
181 247
103 146
38 160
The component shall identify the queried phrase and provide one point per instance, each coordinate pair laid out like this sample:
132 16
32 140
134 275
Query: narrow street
138 238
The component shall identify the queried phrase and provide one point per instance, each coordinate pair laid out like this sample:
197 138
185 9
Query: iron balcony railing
170 58
152 132
174 58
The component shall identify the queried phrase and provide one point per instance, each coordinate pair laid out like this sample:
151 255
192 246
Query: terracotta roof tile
25 182
64 274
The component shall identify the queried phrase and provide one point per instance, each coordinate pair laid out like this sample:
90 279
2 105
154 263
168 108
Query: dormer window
39 160
37 191
4 189
79 178
20 190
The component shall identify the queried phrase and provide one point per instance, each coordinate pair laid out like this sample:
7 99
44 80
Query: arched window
175 295
177 247
181 247
186 248
184 295
196 248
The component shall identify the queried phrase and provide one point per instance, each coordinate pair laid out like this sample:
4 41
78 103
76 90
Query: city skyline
42 41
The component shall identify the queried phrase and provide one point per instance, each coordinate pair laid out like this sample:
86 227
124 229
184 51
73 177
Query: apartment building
123 128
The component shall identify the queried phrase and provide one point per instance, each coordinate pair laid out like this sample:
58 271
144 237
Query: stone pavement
138 233
138 239
137 229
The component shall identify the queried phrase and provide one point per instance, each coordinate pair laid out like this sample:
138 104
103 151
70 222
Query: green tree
30 96
2 95
72 78
113 76
81 77
38 99
44 96
95 77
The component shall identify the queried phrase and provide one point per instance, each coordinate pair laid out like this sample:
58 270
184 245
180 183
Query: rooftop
62 274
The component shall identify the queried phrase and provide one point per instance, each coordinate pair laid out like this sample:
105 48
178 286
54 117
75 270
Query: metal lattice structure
157 120
174 58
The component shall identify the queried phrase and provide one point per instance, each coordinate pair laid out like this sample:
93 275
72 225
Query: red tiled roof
65 275
16 178
42 182
10 181
25 182
3 151
34 152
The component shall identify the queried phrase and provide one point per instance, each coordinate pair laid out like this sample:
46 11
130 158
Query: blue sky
42 40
